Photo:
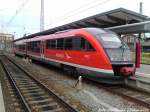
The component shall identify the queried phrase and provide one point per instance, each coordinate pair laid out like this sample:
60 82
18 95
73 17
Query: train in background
92 52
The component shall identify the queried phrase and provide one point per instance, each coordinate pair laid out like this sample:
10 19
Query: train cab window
68 43
60 43
89 47
86 46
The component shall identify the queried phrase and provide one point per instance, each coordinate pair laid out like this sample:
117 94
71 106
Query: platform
141 79
2 108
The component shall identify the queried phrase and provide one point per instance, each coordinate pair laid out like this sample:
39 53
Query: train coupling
127 71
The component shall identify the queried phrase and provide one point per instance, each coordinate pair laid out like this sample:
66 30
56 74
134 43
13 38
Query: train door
42 49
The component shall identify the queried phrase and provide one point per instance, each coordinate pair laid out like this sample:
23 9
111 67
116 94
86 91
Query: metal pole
141 8
42 16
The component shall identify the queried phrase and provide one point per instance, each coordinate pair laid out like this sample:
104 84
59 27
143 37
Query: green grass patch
145 57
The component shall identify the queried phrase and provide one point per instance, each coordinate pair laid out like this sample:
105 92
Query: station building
6 41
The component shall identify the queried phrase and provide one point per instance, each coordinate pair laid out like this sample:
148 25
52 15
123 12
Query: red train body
92 52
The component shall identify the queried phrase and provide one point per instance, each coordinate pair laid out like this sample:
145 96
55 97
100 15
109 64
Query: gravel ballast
88 98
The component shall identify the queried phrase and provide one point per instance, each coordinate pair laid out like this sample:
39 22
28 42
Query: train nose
127 71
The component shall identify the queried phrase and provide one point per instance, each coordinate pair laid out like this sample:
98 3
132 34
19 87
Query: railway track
35 96
135 95
11 96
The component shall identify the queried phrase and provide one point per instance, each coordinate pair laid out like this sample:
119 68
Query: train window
82 46
48 44
68 43
34 46
86 46
109 40
76 43
51 44
29 46
89 47
60 43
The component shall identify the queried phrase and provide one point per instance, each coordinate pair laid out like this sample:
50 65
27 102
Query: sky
23 16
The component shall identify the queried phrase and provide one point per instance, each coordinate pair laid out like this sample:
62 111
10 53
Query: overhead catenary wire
77 8
80 10
17 12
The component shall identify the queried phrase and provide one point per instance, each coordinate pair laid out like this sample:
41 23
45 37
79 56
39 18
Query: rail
32 91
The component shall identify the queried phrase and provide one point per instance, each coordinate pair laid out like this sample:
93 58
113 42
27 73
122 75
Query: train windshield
116 49
110 40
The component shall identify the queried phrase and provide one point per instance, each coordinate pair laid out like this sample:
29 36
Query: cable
17 12
78 8
85 9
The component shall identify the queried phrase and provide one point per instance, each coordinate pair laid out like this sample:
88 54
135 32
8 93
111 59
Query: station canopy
116 17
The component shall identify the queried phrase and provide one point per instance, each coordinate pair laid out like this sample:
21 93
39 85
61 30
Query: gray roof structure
116 17
141 27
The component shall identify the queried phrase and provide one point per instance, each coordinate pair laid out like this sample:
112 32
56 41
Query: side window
82 45
29 46
37 48
76 43
34 46
48 44
60 43
68 43
89 47
86 46
51 44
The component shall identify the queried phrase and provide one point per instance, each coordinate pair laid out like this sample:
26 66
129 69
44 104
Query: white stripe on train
77 65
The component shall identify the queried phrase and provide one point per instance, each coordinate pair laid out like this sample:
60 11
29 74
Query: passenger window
82 46
60 43
68 43
48 44
34 46
51 44
76 43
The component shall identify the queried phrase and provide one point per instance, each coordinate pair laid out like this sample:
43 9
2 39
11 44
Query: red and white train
92 52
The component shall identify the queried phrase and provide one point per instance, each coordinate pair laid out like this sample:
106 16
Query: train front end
117 51
119 54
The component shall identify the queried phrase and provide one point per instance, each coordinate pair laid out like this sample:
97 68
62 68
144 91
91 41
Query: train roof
68 33
20 42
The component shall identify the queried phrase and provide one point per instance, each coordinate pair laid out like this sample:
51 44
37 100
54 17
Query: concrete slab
2 108
144 69
141 79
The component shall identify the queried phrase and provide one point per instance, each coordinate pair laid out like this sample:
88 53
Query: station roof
111 18
142 27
